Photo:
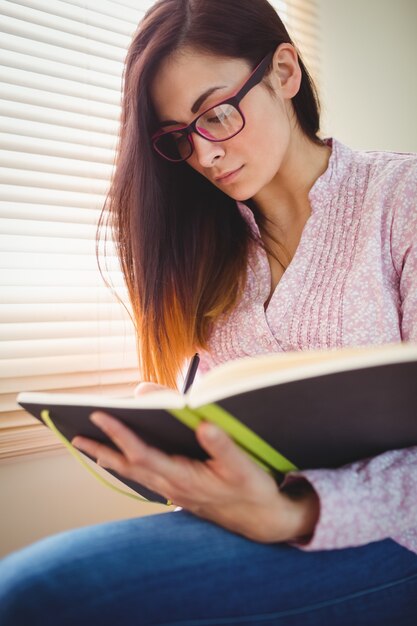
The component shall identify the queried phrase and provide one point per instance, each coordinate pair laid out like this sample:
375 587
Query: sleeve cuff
327 534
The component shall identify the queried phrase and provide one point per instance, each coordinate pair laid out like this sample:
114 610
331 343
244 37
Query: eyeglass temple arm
255 77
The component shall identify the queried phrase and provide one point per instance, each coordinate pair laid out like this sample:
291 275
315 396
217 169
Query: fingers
105 456
111 459
224 452
136 459
184 481
144 388
122 436
135 450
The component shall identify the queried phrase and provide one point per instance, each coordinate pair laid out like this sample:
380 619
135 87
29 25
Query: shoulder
390 172
382 185
375 178
384 181
381 165
392 194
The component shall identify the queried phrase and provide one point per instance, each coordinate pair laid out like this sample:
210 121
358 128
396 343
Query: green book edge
258 449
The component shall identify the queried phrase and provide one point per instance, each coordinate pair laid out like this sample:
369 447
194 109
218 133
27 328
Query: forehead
184 76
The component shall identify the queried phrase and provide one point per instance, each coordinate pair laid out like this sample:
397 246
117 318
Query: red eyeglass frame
254 79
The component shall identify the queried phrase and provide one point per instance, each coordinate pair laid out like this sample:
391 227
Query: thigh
177 569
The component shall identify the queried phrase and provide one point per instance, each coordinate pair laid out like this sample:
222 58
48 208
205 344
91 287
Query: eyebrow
197 104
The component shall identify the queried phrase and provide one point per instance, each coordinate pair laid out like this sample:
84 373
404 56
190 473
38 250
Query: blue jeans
177 569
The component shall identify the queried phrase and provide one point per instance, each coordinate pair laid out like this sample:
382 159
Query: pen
191 372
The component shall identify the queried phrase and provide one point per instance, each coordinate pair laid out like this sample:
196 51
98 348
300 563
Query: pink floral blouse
352 281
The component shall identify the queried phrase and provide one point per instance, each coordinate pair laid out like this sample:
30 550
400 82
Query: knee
31 587
19 586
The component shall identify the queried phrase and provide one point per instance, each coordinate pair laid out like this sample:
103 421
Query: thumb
144 387
219 445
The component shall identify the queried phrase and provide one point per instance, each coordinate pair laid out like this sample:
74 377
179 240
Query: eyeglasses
218 123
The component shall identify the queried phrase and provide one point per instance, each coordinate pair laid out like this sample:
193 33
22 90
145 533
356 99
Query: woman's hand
228 489
144 387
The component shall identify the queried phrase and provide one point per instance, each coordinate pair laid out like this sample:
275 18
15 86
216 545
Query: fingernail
99 418
212 432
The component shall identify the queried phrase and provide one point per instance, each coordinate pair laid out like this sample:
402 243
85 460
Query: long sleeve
365 501
377 498
404 249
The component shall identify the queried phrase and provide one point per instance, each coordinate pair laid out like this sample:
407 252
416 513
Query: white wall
369 95
40 495
369 76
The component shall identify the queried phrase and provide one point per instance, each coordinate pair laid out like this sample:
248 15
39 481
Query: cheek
272 126
267 130
264 151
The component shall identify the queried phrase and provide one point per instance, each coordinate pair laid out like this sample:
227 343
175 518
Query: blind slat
102 378
50 330
51 213
54 279
33 439
89 18
53 100
62 143
28 114
54 165
124 389
51 68
69 34
114 9
44 312
63 364
35 228
51 181
43 50
16 193
64 87
46 260
56 294
18 243
46 348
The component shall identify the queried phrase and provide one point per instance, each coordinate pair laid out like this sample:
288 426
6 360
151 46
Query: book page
249 373
164 399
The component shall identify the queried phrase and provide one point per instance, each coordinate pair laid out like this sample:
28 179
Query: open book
314 409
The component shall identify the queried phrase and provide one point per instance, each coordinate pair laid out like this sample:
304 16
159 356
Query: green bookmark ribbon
258 449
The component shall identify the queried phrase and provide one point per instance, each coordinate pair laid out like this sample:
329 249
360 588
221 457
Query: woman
240 231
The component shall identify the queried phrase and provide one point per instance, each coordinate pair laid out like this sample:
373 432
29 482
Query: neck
284 201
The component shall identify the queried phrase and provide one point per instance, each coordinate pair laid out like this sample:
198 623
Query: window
61 329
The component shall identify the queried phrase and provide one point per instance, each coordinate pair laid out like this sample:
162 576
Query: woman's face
251 159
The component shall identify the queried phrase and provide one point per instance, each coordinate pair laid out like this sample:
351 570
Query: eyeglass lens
217 124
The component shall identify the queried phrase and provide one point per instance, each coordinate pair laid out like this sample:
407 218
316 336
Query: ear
286 72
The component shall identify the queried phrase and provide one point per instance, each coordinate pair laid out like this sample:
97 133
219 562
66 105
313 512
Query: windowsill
25 441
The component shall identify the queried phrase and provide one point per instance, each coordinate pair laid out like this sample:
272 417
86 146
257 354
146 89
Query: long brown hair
182 243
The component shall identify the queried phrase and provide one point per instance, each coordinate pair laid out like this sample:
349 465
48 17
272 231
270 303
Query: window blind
61 328
302 21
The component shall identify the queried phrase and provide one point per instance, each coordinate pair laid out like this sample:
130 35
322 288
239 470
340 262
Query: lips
227 175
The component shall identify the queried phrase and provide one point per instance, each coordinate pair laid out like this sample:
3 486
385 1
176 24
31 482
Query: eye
179 138
218 118
219 114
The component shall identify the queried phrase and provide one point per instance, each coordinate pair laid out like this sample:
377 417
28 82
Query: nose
207 152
